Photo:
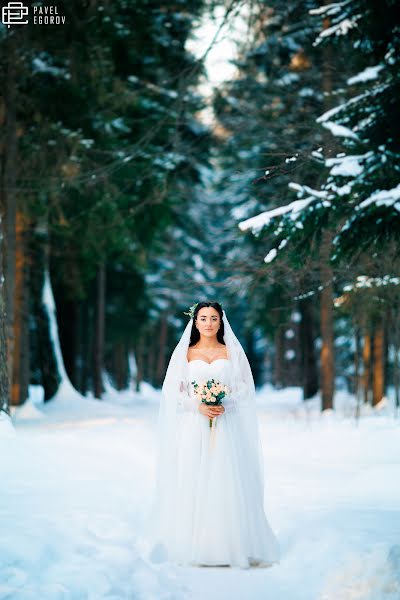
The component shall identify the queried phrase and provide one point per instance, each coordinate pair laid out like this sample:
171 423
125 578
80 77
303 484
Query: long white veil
243 393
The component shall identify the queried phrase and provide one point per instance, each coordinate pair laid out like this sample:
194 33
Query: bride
209 494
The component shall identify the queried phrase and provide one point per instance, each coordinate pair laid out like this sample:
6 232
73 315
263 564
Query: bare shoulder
223 350
194 352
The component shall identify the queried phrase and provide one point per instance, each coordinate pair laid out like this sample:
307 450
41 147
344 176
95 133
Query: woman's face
208 321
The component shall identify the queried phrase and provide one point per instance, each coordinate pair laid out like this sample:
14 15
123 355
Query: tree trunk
396 363
8 176
327 349
309 369
279 359
386 361
68 324
378 372
139 362
160 369
4 379
20 374
86 324
79 336
367 367
4 374
357 385
150 360
42 350
120 365
99 332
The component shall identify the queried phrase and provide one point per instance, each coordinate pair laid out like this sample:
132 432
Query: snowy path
76 482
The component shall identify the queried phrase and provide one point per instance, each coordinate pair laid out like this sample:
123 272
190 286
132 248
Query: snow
364 281
287 79
366 75
317 155
282 244
345 166
263 219
78 477
240 211
66 386
328 9
339 130
383 198
7 429
342 108
343 190
341 28
307 92
40 66
87 143
293 210
301 189
271 255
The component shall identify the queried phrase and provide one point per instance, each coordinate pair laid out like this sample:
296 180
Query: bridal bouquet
210 392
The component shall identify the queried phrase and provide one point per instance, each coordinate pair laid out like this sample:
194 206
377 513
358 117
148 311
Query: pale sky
217 62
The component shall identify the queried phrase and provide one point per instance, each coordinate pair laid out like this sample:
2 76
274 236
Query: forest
127 194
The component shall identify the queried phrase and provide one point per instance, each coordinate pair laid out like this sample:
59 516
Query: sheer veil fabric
165 500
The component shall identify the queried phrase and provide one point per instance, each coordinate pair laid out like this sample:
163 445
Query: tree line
120 202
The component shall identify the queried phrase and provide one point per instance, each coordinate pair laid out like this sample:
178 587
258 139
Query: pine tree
268 112
360 190
108 148
351 208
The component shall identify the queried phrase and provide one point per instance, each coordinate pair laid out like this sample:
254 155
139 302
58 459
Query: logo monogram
13 14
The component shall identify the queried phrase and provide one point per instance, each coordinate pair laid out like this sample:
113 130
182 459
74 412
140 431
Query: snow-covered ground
76 476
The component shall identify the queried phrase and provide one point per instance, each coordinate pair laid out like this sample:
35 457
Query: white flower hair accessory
191 310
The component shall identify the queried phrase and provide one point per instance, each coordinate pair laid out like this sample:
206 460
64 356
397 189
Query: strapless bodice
201 371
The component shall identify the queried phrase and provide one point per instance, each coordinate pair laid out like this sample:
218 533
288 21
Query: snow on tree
360 192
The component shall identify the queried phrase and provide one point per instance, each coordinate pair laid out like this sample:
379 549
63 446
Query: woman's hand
211 411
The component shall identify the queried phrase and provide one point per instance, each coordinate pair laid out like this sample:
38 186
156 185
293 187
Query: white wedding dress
218 516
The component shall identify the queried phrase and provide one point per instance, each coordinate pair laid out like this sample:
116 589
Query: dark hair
195 334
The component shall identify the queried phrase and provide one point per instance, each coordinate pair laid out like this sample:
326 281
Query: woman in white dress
209 498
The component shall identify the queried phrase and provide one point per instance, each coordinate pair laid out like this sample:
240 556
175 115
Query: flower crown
193 308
